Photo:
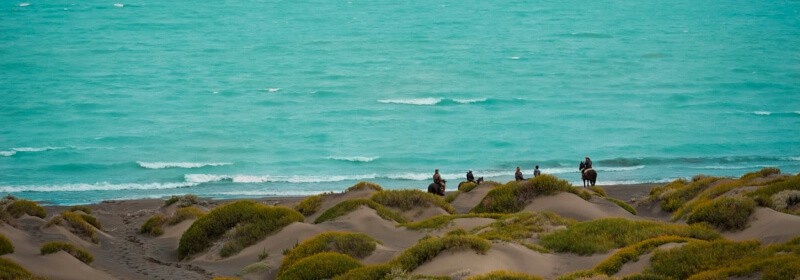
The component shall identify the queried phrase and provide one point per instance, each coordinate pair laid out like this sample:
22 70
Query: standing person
536 172
470 177
518 175
437 179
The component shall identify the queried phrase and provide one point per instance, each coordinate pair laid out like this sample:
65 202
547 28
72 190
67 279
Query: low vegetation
521 226
599 236
375 272
504 275
78 253
356 245
622 204
345 207
467 186
409 199
11 270
83 225
426 249
309 205
764 195
5 245
673 195
183 201
154 225
185 213
20 206
247 221
442 221
613 264
599 191
320 266
82 208
763 173
513 196
696 257
363 185
727 213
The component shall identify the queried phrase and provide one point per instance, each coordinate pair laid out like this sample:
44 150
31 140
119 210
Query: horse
587 174
436 188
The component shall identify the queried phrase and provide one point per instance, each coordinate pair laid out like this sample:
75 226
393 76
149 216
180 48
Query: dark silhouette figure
470 177
518 175
587 174
536 171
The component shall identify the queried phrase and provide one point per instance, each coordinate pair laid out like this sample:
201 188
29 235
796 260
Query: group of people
438 185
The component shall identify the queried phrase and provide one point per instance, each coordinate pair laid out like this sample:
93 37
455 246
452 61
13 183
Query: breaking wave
354 159
208 178
162 165
413 101
105 186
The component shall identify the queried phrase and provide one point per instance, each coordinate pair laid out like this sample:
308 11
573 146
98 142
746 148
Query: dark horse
587 174
436 188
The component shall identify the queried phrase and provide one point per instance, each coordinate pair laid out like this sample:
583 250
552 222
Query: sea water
104 100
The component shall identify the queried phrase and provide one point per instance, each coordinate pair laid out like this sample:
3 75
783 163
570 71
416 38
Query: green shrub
521 226
763 195
513 196
410 199
708 194
185 213
601 235
320 266
249 220
309 205
728 213
348 206
442 221
614 263
91 220
371 272
504 275
80 226
356 245
82 208
153 225
760 174
11 270
78 253
21 206
695 257
171 200
365 185
451 197
429 248
5 245
622 204
771 268
581 274
466 186
674 198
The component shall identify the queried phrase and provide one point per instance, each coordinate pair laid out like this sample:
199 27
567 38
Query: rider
587 164
470 177
518 175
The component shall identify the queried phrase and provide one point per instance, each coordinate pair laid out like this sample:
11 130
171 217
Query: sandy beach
122 250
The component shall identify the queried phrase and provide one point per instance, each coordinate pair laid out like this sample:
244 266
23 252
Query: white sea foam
467 101
207 178
105 186
762 113
162 165
354 159
797 112
793 158
413 101
619 169
273 89
119 5
7 153
14 151
24 4
514 57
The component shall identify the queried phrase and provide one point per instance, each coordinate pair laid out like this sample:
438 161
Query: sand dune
366 220
572 206
468 200
768 226
330 200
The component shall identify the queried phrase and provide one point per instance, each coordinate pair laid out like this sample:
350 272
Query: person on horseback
438 184
518 175
586 165
470 177
587 172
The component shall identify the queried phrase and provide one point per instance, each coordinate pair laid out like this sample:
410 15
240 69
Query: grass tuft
80 226
320 266
309 205
598 190
622 204
348 206
410 199
504 275
442 221
599 236
21 206
365 185
356 245
185 213
372 272
696 257
614 263
521 226
78 253
5 245
82 208
153 225
11 270
247 220
467 186
513 196
727 213
764 172
427 249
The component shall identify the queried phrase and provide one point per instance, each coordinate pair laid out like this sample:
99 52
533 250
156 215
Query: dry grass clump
727 213
764 194
11 270
601 235
309 205
81 224
348 206
5 245
185 213
622 204
673 195
356 245
365 185
613 264
521 226
82 208
695 257
78 253
154 225
786 200
185 201
20 206
765 172
442 221
598 190
504 275
247 221
379 271
429 248
513 196
320 266
466 186
410 199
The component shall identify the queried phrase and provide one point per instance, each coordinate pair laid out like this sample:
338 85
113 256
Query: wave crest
163 165
468 101
13 151
354 159
105 186
208 178
762 113
413 101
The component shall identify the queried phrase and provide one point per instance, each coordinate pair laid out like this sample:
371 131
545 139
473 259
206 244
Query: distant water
115 100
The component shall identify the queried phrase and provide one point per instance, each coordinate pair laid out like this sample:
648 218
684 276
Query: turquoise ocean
103 100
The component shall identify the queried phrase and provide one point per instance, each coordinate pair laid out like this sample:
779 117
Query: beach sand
123 253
